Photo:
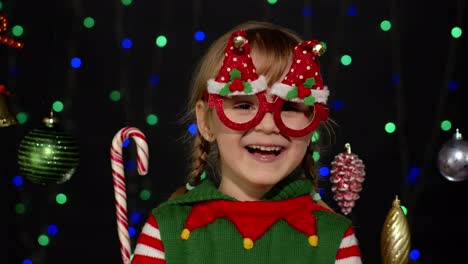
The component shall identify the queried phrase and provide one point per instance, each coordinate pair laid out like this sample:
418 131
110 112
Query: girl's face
253 161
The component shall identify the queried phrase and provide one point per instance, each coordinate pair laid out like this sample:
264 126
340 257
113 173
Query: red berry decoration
347 175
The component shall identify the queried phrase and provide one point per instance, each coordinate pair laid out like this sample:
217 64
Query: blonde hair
273 46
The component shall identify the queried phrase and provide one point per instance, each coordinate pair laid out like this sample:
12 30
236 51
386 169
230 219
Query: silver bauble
453 159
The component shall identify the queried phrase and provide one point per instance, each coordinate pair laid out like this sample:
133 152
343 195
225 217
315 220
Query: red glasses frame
215 101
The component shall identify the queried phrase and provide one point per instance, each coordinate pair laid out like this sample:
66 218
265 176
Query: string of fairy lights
60 198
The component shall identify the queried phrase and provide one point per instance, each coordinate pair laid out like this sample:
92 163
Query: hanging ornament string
6 40
347 176
119 181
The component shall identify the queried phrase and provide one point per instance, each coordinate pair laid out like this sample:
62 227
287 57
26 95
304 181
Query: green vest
220 243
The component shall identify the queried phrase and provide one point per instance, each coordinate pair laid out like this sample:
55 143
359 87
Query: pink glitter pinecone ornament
347 176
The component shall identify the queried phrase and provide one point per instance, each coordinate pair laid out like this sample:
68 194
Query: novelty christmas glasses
239 97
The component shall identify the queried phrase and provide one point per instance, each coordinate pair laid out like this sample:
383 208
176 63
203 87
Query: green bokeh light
145 195
152 119
1 5
315 136
61 198
20 208
316 156
446 125
405 211
161 41
22 117
17 30
115 95
385 25
88 22
57 106
126 2
456 32
43 240
272 2
346 60
390 127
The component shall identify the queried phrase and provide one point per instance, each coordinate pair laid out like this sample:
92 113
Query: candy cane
119 181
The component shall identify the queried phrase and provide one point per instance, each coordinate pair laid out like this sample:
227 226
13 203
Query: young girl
258 96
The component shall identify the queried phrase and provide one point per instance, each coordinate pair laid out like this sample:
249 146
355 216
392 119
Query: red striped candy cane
119 181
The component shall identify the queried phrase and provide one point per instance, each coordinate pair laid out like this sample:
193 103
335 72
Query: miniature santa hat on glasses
237 75
303 82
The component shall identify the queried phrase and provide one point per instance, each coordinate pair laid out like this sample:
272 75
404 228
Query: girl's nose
267 124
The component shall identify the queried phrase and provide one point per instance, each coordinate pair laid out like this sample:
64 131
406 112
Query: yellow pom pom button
248 243
313 241
185 234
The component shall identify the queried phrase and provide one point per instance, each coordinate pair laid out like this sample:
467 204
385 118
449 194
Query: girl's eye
243 106
288 106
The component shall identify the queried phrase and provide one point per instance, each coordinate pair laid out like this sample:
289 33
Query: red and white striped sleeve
149 249
349 252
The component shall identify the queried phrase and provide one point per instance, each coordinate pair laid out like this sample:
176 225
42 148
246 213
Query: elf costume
206 226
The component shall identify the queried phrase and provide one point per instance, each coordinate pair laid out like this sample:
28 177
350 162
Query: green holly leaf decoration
309 100
309 82
235 73
225 90
292 93
247 88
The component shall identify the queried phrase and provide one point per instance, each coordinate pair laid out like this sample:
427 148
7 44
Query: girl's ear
203 121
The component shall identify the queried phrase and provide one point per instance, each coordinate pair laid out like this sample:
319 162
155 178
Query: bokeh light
20 208
135 217
154 80
272 2
403 208
130 165
337 104
75 62
61 198
115 96
27 261
151 119
456 32
315 136
131 231
126 142
413 175
446 125
390 127
57 106
127 43
346 60
88 22
43 240
145 195
161 41
351 11
452 85
199 36
22 117
316 156
396 79
324 171
192 129
385 25
307 11
17 31
18 181
414 254
52 230
126 2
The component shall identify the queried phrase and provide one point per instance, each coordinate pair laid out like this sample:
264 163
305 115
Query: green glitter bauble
48 156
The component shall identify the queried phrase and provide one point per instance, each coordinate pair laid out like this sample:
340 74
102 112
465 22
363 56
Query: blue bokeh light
130 165
396 79
127 43
351 11
154 80
324 171
199 36
131 231
414 254
337 105
192 129
18 181
27 261
126 142
52 230
453 85
322 192
75 62
307 11
413 174
135 217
